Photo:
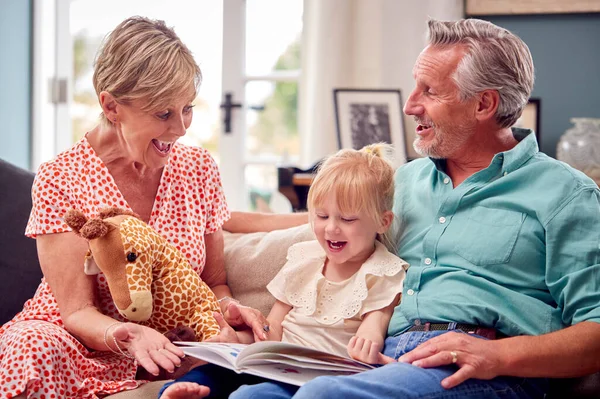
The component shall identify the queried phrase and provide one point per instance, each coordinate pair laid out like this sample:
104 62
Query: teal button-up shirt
514 247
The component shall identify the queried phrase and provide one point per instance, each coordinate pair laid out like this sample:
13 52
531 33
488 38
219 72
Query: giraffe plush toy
150 281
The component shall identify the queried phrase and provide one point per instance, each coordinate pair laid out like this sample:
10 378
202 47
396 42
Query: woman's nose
180 126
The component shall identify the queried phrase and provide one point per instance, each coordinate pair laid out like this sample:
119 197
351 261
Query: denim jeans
399 380
223 382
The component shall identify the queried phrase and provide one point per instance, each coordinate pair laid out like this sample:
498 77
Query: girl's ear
386 221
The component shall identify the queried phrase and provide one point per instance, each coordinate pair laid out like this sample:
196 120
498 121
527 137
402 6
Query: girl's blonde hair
143 59
361 180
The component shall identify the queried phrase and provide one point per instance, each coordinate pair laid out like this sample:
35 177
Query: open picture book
279 361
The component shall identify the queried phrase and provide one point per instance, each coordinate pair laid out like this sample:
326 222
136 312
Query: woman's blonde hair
143 59
361 180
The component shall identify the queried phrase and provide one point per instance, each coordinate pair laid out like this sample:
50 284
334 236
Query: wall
15 81
404 36
566 54
359 44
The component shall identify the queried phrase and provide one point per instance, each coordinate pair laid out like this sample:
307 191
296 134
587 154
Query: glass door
262 76
249 53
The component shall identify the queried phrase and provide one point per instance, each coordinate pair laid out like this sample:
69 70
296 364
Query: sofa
251 261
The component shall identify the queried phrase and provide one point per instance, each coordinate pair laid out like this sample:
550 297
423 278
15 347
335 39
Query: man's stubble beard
445 143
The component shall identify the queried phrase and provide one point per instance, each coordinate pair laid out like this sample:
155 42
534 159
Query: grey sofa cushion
19 266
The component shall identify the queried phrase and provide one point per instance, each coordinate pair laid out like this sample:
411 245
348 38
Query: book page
292 375
274 350
279 361
221 354
302 362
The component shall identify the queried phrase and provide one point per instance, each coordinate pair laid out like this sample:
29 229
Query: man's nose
413 105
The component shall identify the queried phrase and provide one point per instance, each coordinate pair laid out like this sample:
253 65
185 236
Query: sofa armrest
19 265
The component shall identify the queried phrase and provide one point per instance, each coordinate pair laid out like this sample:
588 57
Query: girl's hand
151 349
238 315
367 351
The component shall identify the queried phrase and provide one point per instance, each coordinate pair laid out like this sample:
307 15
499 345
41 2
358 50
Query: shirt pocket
488 236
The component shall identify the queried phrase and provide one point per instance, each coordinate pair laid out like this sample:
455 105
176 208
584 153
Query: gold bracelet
126 354
106 334
120 351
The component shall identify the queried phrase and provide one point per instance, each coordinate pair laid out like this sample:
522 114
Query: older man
502 240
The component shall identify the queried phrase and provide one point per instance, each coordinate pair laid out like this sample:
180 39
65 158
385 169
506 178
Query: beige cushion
252 260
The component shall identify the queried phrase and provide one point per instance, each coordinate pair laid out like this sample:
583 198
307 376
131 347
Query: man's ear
488 103
109 105
386 222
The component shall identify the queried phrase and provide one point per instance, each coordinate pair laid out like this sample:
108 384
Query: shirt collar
512 159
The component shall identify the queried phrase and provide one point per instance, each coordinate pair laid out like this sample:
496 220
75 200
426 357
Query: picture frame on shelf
530 118
367 116
529 7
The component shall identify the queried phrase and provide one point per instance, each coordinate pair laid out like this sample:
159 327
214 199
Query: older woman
69 340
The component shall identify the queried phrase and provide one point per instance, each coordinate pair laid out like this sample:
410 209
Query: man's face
445 123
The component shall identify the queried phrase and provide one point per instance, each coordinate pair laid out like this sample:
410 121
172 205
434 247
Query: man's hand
475 357
237 315
367 351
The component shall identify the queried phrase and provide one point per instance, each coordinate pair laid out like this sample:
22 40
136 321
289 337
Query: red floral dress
36 352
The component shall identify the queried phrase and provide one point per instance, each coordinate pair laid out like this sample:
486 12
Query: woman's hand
237 315
475 357
151 349
227 333
367 351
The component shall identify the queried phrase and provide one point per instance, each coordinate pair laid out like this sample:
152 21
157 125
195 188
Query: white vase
580 146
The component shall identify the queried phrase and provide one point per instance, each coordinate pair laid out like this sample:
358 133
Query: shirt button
428 261
417 322
505 173
442 220
446 180
410 292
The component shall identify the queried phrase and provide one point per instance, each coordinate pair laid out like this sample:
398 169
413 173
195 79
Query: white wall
359 44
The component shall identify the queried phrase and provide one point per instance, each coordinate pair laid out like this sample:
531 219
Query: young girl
335 294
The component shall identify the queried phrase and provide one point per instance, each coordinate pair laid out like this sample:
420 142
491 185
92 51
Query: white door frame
232 145
52 80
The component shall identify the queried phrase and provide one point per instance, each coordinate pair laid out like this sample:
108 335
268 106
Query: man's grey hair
496 59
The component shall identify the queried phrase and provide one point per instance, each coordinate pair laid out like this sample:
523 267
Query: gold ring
454 356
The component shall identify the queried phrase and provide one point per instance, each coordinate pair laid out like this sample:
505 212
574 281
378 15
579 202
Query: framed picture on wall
530 118
367 116
521 7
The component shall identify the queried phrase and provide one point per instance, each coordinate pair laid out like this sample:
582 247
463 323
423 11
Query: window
247 48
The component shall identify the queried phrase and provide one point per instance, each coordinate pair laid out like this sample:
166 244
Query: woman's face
148 137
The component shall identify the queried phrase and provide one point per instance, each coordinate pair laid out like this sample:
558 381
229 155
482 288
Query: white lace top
325 314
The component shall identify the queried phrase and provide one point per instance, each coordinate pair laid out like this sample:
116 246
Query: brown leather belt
488 333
